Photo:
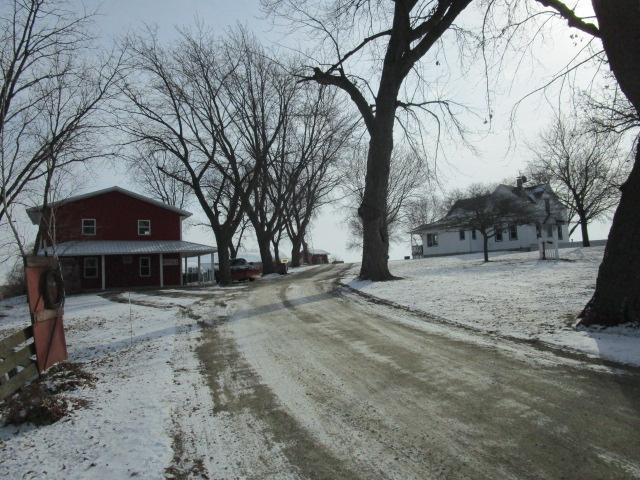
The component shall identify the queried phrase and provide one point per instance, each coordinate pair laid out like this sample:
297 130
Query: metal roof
127 247
34 212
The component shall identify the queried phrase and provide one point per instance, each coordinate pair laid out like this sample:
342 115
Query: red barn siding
117 216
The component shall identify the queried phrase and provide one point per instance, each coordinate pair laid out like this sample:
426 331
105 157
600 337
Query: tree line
250 136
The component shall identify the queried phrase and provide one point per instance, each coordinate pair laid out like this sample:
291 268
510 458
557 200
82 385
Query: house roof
34 212
531 194
81 248
318 251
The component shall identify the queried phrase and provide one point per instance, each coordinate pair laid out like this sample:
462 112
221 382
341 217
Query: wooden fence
17 362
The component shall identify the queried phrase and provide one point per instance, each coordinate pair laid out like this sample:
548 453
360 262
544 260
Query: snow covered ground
147 380
514 295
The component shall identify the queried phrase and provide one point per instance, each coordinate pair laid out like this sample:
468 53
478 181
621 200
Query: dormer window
144 228
88 226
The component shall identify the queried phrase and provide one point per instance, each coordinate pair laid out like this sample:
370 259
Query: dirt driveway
311 382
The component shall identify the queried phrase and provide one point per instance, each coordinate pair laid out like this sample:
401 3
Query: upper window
498 233
432 239
90 267
461 234
88 226
547 205
145 266
538 230
560 232
473 234
513 232
144 227
550 231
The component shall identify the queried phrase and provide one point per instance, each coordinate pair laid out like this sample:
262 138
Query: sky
495 155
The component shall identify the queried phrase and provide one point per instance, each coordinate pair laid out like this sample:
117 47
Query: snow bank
137 352
515 294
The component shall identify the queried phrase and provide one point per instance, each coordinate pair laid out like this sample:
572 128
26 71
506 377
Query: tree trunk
264 245
372 211
276 252
585 232
224 264
306 258
295 252
617 296
233 252
485 247
616 299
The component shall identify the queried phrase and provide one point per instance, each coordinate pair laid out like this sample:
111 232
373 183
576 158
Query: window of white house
461 234
88 226
559 232
145 266
513 232
550 231
538 231
498 233
432 239
91 267
144 227
473 234
547 205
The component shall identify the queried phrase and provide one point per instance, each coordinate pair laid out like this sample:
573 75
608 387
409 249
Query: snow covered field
147 381
514 295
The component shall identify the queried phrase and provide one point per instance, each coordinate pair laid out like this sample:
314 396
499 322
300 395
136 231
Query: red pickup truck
242 270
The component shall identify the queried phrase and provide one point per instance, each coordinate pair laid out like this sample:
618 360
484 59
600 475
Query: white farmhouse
550 225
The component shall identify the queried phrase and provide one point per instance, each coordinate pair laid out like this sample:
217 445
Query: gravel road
310 381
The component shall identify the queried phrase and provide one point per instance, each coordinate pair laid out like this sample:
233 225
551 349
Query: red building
115 238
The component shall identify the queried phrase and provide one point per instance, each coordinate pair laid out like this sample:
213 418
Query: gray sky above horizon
495 156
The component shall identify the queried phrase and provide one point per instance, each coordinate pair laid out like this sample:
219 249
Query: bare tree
320 138
583 167
426 208
171 110
482 208
616 298
50 99
408 177
396 36
156 183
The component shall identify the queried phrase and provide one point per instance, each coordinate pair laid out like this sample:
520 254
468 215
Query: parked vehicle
242 270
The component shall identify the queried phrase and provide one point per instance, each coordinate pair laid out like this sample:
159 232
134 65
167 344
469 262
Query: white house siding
449 242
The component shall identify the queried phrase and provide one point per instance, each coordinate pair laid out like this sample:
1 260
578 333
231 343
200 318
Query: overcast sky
492 160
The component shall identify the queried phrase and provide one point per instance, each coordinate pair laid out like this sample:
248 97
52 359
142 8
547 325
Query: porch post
185 270
161 272
213 270
199 272
180 270
102 270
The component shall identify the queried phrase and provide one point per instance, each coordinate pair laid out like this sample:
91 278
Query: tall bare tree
584 168
396 36
51 97
320 139
616 298
171 107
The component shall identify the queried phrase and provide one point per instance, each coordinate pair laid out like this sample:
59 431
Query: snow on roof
34 212
318 251
127 247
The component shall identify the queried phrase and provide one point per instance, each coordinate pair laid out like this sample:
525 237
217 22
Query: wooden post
161 272
213 270
180 270
199 272
104 275
186 271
